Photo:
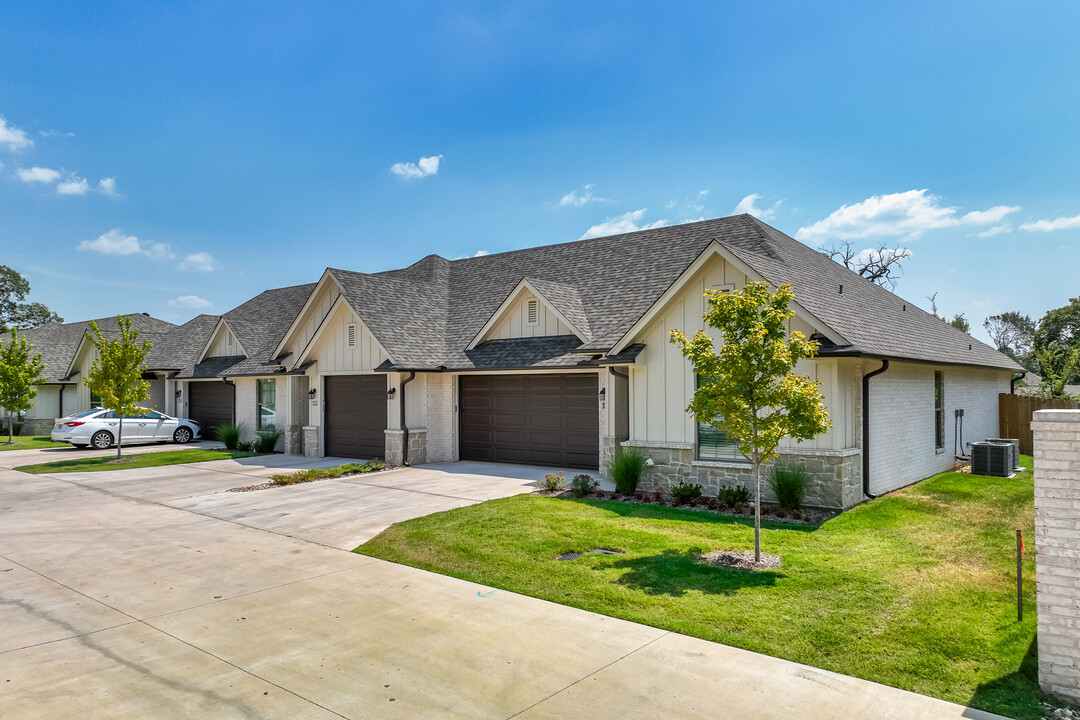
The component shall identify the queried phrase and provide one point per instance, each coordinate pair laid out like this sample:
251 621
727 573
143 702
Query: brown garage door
210 404
548 420
356 416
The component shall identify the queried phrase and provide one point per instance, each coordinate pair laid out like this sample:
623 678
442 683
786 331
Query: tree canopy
748 387
116 373
13 311
20 374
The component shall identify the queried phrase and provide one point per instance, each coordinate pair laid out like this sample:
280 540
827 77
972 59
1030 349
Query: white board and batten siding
346 345
224 343
521 321
324 299
662 381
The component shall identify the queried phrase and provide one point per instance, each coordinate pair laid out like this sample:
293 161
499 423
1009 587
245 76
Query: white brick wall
245 407
902 419
1057 549
441 418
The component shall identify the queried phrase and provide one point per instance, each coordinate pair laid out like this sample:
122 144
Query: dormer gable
537 308
222 343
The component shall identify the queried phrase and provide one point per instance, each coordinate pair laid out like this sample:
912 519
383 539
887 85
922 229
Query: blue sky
180 158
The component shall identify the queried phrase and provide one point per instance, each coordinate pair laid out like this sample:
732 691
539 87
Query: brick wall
441 418
902 448
1057 549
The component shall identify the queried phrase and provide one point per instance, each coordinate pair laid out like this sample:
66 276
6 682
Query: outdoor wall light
179 393
312 393
391 393
603 393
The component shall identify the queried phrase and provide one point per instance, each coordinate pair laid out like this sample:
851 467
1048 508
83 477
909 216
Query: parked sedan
99 428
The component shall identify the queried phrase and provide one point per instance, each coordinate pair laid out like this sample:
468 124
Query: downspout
404 427
233 385
1012 383
866 427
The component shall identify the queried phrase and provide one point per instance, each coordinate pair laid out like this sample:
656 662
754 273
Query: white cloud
38 175
73 185
996 230
671 204
113 242
54 133
481 253
193 302
200 261
116 242
1061 223
13 137
107 186
908 214
412 171
627 222
749 206
573 199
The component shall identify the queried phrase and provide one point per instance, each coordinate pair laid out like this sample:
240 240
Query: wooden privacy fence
1014 416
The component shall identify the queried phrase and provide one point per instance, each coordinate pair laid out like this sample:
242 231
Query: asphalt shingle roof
58 342
427 314
258 325
183 345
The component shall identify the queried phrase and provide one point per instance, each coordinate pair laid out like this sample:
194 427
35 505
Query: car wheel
182 435
102 440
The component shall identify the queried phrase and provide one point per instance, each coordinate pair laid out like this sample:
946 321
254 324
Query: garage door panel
535 419
356 416
211 405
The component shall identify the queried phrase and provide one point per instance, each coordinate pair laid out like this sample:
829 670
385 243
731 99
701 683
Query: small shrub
658 497
552 482
582 485
625 470
712 503
642 496
684 492
16 428
267 439
738 508
788 484
376 465
230 435
246 447
733 497
781 514
693 502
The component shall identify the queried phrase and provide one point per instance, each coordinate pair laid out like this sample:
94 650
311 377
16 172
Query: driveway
149 593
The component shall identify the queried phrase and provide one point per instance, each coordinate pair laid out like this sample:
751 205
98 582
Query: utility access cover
576 555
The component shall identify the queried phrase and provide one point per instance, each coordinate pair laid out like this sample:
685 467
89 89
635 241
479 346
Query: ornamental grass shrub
788 484
625 470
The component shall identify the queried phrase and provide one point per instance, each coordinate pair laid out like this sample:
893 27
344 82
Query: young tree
748 389
1011 332
116 374
19 375
1055 340
13 289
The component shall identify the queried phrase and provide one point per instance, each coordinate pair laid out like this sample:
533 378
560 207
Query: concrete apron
123 607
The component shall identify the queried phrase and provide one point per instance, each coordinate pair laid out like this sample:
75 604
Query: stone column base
311 441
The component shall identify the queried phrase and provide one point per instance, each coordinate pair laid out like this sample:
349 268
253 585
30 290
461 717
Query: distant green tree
15 313
748 388
1055 339
1057 364
20 374
1013 334
960 323
116 374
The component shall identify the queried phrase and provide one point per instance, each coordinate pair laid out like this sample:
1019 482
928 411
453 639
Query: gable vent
352 335
533 312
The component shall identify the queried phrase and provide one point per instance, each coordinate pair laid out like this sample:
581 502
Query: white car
98 428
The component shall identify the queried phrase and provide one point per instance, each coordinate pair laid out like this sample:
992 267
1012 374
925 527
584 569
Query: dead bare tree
881 265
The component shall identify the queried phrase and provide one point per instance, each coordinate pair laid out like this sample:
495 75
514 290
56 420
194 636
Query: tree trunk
757 508
120 437
10 428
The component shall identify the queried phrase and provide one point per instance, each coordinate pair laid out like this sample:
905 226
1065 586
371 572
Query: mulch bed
807 516
741 560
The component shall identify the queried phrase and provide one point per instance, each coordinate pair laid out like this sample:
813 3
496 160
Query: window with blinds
713 444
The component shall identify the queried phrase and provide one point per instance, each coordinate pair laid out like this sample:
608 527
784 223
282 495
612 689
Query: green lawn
144 460
916 590
29 442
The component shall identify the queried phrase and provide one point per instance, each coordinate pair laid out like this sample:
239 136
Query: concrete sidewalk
124 607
